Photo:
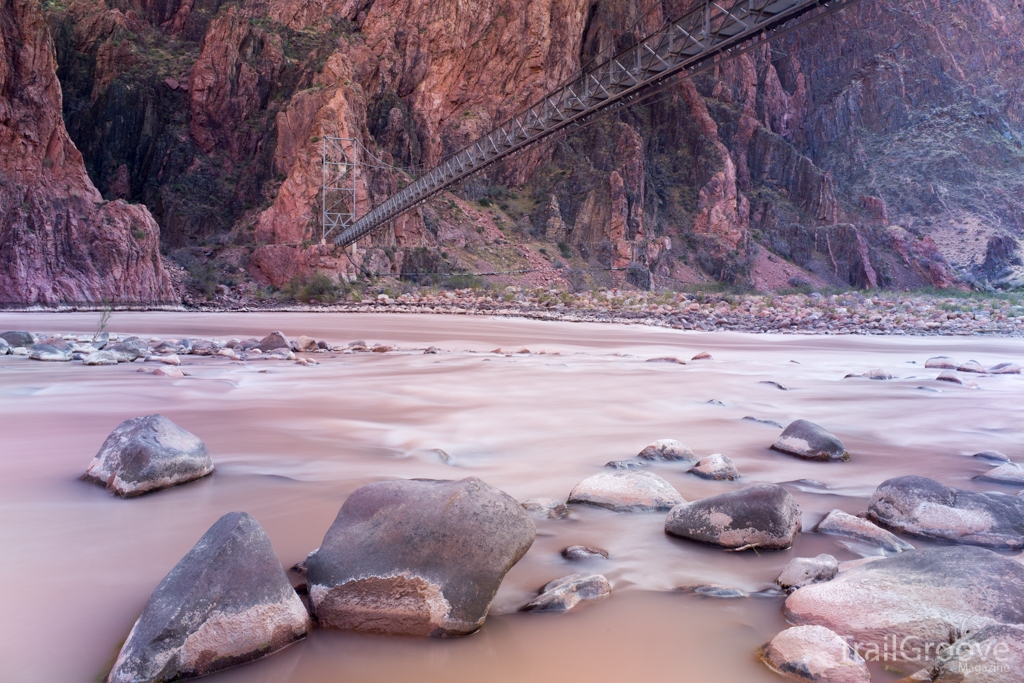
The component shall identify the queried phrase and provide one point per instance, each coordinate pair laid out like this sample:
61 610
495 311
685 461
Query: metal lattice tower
338 209
699 40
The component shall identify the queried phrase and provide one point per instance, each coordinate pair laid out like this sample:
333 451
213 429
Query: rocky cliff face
880 147
59 240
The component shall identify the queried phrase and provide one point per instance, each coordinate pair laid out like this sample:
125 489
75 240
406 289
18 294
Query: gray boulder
949 376
839 523
5 348
1004 369
923 507
18 338
226 602
878 374
274 340
100 358
567 592
576 553
807 440
304 344
927 595
626 491
993 455
815 654
417 557
716 466
667 449
1007 473
204 347
764 516
941 363
49 352
128 350
803 571
148 454
971 366
545 508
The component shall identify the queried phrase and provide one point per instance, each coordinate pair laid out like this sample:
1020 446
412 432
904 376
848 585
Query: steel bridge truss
338 210
695 42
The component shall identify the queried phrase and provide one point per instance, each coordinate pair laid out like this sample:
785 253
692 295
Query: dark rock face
569 591
148 454
763 516
226 602
927 594
807 440
274 340
417 557
923 507
17 338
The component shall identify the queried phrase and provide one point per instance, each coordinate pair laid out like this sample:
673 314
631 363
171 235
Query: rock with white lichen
807 440
225 603
763 516
626 491
146 454
417 557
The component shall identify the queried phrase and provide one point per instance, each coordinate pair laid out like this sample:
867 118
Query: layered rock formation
59 240
882 148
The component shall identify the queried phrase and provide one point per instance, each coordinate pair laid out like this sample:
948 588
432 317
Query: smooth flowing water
291 442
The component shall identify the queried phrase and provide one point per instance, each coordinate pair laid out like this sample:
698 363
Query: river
291 442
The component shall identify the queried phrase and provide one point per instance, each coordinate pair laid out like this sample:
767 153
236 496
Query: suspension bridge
702 38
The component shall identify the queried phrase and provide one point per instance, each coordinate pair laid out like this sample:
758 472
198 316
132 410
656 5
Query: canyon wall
60 241
880 147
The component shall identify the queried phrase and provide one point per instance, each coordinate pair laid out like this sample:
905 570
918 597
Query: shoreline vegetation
852 312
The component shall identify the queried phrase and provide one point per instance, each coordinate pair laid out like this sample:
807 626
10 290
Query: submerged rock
168 359
807 440
1005 369
941 363
716 466
569 591
949 376
146 454
583 552
993 455
226 602
168 371
803 571
926 595
714 590
923 507
1007 473
417 557
667 449
18 338
971 366
274 340
703 355
545 508
840 523
815 654
764 516
627 464
877 374
49 352
626 491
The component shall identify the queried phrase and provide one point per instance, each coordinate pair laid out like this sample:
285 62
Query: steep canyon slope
881 147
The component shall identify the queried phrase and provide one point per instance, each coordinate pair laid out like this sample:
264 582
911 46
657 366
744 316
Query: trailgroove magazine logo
964 656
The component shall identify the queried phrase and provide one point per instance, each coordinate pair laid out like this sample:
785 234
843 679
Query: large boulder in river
417 557
148 454
226 602
626 491
274 340
807 440
17 338
923 507
49 352
927 595
841 523
815 654
764 516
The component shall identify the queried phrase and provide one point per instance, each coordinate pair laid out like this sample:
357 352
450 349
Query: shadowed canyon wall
880 147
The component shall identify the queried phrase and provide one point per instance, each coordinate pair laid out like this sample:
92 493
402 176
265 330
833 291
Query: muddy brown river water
291 442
